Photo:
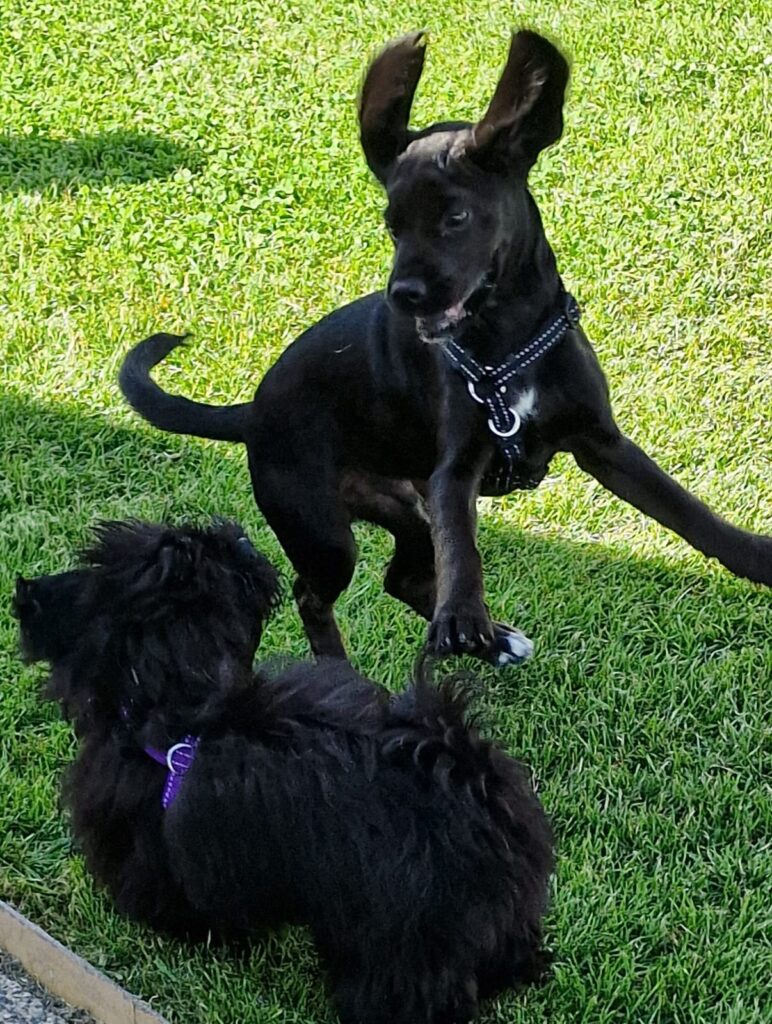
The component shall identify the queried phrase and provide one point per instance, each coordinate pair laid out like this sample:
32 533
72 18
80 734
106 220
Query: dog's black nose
407 293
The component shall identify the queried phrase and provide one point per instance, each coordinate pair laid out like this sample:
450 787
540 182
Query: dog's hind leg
314 528
629 473
399 507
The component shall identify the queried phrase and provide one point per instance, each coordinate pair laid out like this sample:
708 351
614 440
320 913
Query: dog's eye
457 220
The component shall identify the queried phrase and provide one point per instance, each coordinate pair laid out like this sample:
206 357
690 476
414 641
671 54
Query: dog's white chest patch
525 404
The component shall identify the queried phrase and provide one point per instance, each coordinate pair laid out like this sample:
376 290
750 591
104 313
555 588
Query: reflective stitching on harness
503 422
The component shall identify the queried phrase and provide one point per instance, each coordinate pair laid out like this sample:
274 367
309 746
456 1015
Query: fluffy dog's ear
261 577
386 99
526 112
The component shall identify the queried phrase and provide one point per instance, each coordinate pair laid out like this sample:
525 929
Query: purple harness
177 760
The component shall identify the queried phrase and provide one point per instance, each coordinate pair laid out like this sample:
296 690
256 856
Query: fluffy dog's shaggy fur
413 849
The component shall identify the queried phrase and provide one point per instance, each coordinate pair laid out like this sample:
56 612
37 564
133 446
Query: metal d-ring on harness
178 759
490 386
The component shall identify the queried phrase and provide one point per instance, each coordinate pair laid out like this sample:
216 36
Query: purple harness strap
177 760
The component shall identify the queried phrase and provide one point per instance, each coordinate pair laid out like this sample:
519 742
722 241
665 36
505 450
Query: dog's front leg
621 466
461 622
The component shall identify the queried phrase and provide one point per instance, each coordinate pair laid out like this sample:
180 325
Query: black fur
414 849
361 419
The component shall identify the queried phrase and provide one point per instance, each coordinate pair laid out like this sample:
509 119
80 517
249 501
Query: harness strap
490 385
177 760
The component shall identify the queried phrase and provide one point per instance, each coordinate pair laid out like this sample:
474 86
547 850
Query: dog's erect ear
386 99
526 112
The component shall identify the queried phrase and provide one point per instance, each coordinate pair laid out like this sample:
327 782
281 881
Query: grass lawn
195 166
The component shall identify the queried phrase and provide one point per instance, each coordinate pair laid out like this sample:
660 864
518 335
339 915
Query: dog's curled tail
173 413
430 726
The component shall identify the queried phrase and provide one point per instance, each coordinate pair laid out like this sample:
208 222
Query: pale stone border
68 976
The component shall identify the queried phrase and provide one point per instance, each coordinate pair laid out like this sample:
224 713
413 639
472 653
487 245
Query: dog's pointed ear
526 112
386 99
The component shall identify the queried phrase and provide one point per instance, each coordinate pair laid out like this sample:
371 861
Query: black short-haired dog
206 796
360 418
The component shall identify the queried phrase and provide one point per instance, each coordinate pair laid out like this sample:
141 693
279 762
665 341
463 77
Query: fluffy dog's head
154 620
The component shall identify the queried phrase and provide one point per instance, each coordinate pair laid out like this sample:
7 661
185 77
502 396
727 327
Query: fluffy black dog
207 797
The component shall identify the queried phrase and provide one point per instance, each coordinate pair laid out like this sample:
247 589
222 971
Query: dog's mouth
443 325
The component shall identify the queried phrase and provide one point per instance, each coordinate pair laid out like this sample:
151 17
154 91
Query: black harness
492 386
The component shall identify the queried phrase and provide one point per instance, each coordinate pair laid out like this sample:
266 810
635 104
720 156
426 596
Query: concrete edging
68 976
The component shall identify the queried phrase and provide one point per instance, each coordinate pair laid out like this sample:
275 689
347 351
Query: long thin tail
174 413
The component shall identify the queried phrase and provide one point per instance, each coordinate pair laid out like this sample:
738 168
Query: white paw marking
513 645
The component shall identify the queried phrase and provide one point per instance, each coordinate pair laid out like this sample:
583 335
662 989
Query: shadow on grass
62 467
34 163
67 467
591 607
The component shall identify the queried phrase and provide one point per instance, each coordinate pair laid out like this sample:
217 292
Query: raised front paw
461 628
510 646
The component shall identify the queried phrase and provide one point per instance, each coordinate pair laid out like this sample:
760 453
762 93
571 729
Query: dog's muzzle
443 326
